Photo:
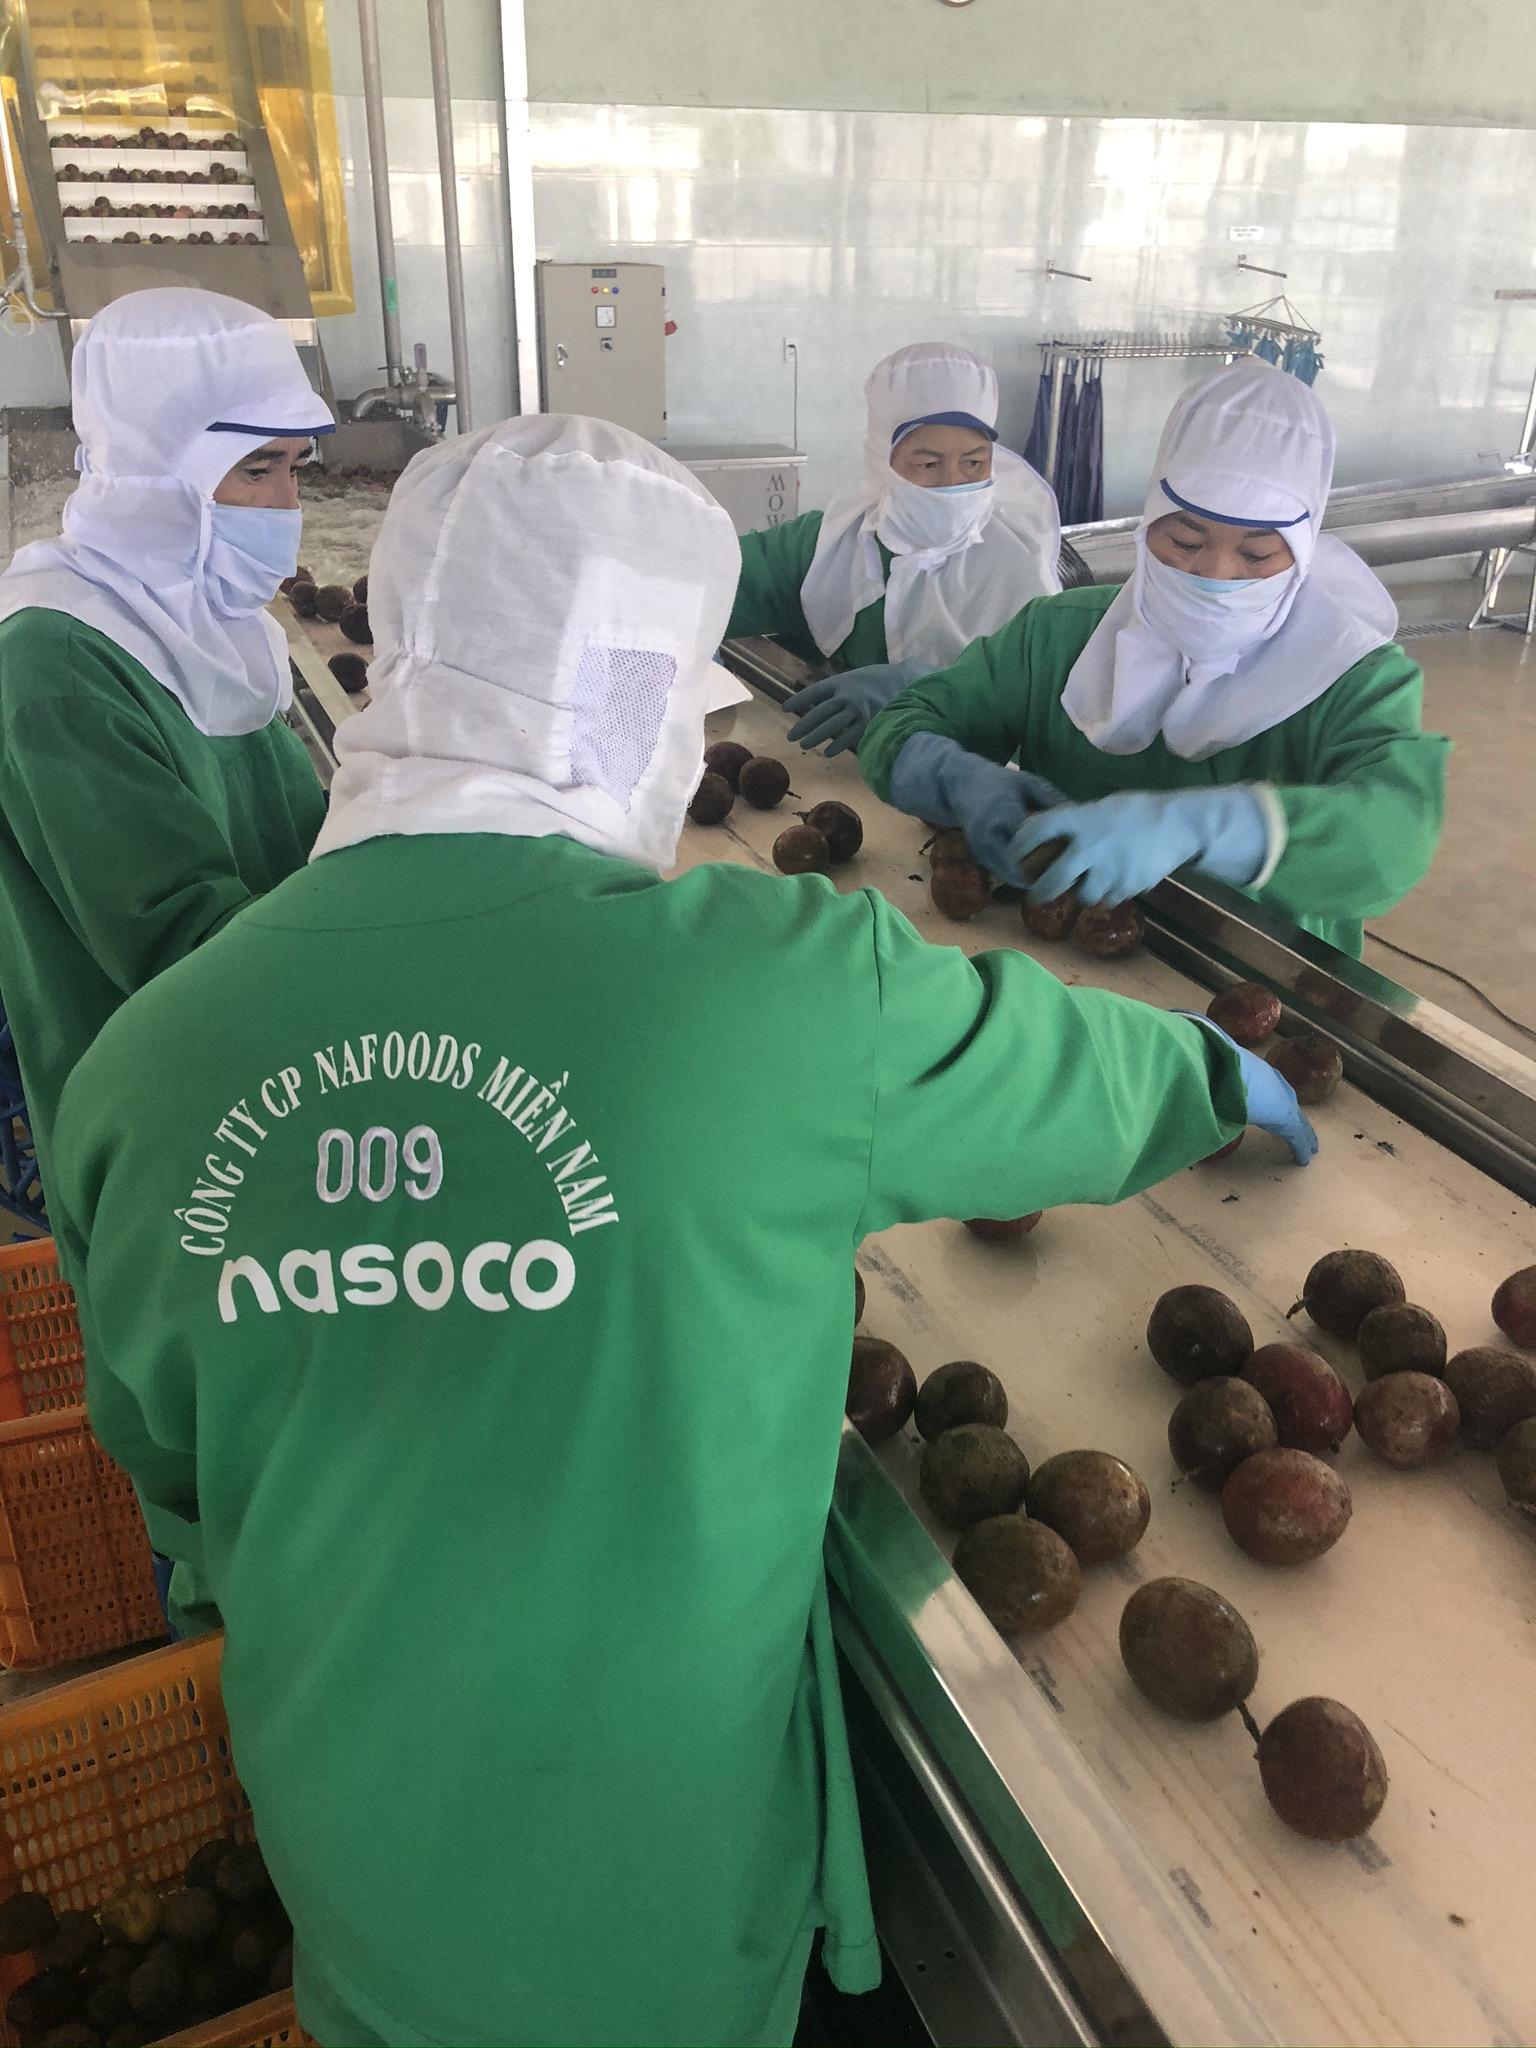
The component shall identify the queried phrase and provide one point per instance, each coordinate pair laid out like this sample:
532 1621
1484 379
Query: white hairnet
939 598
170 389
1248 446
546 597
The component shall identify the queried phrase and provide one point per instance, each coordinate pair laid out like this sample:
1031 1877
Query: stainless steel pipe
1352 504
378 169
1380 541
1413 523
442 102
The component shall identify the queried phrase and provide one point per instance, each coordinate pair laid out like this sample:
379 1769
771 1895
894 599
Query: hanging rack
1263 319
1116 348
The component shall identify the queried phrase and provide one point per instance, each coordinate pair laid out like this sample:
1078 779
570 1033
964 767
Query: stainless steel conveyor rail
1451 1080
1051 1862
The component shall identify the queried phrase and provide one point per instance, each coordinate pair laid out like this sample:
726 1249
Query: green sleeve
774 562
138 868
1363 826
999 1090
981 701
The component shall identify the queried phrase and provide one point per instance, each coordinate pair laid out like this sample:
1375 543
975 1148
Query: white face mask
919 519
1212 624
252 549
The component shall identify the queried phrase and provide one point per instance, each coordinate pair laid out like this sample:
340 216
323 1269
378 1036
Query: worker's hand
992 804
935 778
834 712
1135 839
1272 1104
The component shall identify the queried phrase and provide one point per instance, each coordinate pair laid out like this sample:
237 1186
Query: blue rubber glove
834 712
1272 1104
1131 841
935 778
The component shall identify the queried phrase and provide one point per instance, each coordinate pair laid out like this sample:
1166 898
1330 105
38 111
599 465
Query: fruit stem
1251 1725
1294 1310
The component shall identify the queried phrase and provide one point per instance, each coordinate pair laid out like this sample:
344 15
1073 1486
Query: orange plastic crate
76 1574
42 1360
118 1779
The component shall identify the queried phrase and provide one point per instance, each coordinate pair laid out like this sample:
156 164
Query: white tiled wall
354 343
851 233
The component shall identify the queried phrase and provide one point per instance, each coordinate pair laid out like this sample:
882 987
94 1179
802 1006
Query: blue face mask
957 490
1219 585
251 549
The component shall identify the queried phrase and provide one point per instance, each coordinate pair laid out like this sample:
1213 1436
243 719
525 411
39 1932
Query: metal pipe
20 279
1352 504
1414 538
1381 541
1528 424
378 169
447 173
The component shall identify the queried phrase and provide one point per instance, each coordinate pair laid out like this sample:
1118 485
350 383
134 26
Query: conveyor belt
1141 1851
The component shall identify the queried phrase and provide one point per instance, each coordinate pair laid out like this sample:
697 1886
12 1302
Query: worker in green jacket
1238 710
487 1332
943 538
148 785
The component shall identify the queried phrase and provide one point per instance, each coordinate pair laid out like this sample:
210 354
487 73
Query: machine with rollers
143 148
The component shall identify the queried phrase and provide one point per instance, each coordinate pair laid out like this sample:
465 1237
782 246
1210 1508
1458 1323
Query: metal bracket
1258 269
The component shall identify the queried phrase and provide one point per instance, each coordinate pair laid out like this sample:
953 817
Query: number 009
372 1164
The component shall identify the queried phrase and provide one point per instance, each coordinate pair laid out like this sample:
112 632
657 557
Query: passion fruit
972 1472
1409 1419
959 889
1285 1507
1218 1424
1322 1771
947 846
1002 1229
801 850
1494 1390
1514 1308
1195 1332
351 671
882 1389
1249 1013
1188 1649
1094 1502
1400 1337
1108 930
1310 1403
713 800
840 825
763 781
1020 1574
1343 1287
727 758
962 1391
1053 920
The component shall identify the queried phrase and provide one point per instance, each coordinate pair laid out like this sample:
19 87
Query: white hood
947 587
546 598
169 389
1249 446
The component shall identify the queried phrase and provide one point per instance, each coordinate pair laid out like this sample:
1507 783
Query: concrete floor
1469 913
